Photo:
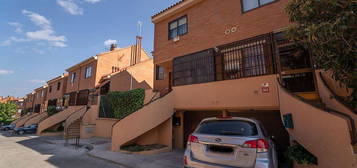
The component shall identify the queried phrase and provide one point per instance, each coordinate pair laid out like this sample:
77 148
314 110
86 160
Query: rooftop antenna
140 25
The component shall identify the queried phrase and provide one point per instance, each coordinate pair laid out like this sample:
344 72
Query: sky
39 39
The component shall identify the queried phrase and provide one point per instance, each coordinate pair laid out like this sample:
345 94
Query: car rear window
228 128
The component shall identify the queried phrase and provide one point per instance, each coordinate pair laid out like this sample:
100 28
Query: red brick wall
207 22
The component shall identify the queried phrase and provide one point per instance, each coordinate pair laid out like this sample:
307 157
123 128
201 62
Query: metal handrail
71 122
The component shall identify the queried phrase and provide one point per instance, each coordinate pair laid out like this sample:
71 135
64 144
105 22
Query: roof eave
89 60
180 6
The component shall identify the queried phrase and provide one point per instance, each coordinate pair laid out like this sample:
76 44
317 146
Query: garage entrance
271 120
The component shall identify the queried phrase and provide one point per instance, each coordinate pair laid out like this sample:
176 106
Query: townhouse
28 102
231 58
56 91
40 99
112 70
212 58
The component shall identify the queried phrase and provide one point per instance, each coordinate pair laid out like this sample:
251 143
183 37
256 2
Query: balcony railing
241 59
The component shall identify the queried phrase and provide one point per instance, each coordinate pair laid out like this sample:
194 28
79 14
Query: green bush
123 103
299 154
7 111
51 110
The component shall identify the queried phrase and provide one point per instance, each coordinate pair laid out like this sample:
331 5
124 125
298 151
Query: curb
111 161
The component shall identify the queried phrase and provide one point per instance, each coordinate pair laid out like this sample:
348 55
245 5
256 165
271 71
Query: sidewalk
101 150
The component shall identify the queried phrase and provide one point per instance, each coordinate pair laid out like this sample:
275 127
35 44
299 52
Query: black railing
241 59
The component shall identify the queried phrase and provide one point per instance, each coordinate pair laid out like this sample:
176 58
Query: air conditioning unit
176 39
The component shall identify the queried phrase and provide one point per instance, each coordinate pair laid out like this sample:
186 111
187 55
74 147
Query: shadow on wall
125 81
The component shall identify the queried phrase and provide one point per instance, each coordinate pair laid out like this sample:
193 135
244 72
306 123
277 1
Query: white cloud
5 72
13 39
93 1
5 43
38 19
38 51
46 31
37 81
18 26
70 7
109 42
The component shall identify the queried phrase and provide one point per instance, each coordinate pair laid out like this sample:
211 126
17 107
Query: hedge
120 104
51 110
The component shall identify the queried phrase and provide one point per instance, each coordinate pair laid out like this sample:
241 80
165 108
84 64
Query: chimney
136 51
113 47
138 48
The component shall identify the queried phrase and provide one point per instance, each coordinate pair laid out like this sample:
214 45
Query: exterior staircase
328 134
73 123
22 121
149 117
73 130
36 119
58 118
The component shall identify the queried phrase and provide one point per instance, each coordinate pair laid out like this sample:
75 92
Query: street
30 152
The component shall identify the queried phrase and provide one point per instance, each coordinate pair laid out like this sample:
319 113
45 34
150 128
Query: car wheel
6 129
21 132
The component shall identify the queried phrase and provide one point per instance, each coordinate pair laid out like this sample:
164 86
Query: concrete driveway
30 152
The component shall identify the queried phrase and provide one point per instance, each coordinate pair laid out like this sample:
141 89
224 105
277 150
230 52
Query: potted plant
301 157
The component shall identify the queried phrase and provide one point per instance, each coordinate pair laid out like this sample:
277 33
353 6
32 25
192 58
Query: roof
88 60
57 78
40 88
170 7
177 7
106 77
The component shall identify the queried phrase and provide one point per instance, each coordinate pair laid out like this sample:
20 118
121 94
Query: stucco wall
339 88
103 127
36 119
148 117
80 82
244 94
57 118
142 77
325 135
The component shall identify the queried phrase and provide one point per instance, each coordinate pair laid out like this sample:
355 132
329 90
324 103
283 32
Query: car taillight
260 144
185 160
192 139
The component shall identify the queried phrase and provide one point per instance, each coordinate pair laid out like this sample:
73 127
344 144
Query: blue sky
39 39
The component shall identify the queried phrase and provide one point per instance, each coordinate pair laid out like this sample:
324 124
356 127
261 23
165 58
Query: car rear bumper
193 163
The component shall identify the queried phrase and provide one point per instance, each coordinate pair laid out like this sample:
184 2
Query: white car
230 142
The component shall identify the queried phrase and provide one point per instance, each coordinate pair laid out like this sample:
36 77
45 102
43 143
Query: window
228 128
247 58
194 68
42 93
178 27
50 89
248 5
88 72
73 77
159 73
58 85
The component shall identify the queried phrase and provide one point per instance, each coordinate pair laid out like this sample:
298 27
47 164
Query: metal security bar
245 58
194 68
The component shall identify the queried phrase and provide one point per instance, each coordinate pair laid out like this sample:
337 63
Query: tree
329 29
7 111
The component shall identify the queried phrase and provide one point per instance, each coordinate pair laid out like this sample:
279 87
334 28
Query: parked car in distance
230 142
8 127
29 129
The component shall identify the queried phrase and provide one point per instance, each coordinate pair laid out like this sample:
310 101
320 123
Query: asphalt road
30 152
